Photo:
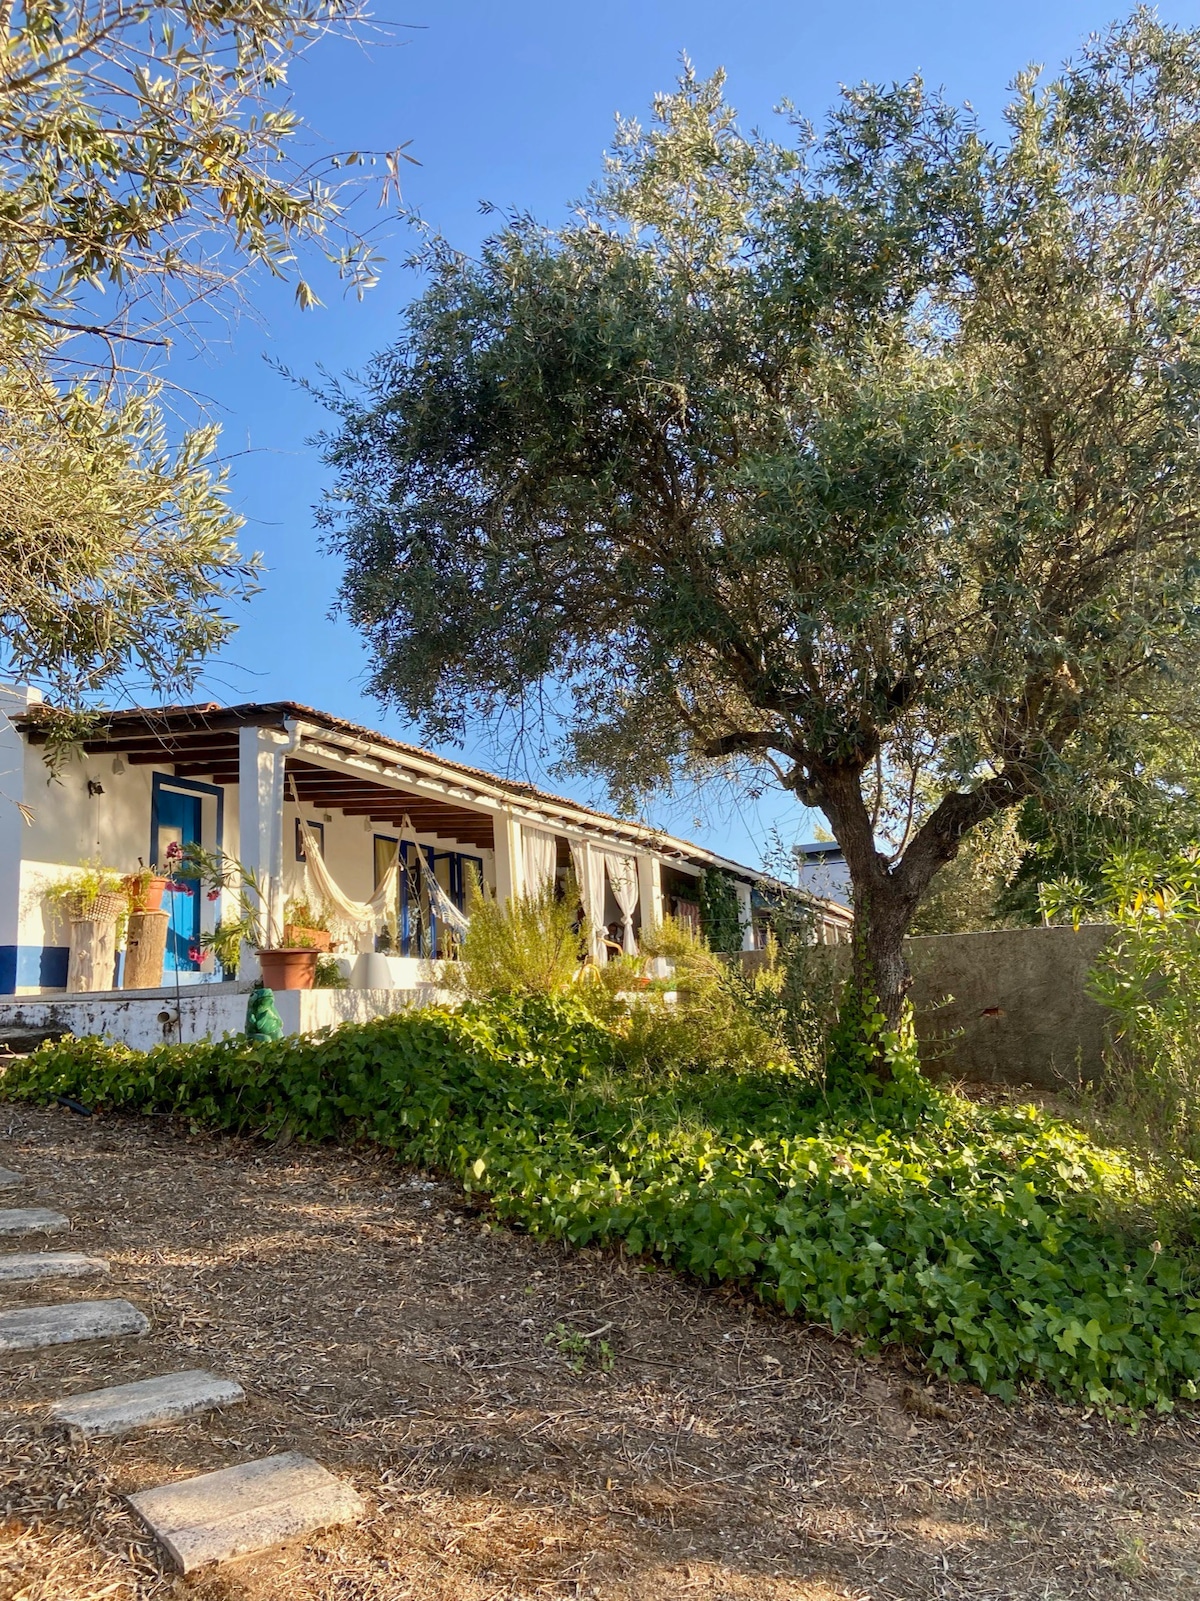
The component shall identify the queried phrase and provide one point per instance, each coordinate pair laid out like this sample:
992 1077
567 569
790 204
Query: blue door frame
178 820
177 817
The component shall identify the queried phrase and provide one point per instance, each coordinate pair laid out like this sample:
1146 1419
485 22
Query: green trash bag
263 1022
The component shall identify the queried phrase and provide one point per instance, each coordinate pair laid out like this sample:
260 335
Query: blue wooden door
177 822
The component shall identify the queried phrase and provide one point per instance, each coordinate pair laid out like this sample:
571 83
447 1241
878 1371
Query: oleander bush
1001 1244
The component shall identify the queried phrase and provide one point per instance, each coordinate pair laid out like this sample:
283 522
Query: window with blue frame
416 924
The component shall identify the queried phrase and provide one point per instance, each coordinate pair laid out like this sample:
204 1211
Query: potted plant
306 927
225 942
92 900
286 966
88 892
145 888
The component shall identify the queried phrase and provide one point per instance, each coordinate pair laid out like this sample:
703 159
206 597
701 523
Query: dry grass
378 1324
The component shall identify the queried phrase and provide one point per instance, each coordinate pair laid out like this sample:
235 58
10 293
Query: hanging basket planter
103 908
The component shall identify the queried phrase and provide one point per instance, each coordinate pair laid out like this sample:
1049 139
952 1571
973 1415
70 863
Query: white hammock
444 908
373 914
359 915
440 904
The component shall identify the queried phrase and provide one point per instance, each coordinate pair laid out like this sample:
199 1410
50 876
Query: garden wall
145 1018
1008 1006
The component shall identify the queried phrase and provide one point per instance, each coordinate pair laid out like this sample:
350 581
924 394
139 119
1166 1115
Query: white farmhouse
239 779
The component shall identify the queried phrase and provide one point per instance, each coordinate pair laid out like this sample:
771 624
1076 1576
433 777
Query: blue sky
514 105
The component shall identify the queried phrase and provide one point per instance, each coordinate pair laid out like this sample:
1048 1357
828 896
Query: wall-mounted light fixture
95 787
118 765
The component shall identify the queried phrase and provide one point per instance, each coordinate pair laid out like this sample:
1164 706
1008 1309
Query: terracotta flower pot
289 967
155 890
317 939
145 895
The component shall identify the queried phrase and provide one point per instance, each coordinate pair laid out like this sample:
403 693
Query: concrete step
9 1180
147 1404
22 1267
237 1511
29 1328
31 1220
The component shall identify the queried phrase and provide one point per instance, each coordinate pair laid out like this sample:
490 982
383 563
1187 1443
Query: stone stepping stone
145 1404
22 1267
31 1220
237 1511
9 1180
29 1328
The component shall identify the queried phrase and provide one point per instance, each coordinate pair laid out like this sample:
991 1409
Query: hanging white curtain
323 887
589 874
540 853
622 875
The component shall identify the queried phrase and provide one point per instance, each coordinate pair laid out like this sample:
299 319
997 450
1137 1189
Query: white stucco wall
70 826
146 1018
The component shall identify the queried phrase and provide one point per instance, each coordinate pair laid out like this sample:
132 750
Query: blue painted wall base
32 967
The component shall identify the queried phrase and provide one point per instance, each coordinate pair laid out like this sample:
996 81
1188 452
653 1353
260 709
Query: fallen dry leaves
379 1324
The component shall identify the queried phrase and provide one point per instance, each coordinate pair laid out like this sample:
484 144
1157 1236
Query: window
416 924
319 830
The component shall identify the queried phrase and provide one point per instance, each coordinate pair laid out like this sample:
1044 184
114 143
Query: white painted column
650 897
746 913
510 865
15 700
262 753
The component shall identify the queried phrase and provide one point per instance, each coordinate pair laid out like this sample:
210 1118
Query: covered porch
240 780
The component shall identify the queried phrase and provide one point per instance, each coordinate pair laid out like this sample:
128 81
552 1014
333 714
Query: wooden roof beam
157 749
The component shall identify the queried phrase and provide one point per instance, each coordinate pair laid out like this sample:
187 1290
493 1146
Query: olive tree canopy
149 161
868 457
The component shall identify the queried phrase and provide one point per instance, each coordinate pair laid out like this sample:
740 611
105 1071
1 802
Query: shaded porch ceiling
212 754
318 787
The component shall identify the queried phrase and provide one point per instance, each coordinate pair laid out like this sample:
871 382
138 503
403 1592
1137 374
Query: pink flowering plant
220 875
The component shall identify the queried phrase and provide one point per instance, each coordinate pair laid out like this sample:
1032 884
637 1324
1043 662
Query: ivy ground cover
1000 1243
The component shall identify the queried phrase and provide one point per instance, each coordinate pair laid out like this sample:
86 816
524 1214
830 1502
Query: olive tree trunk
886 893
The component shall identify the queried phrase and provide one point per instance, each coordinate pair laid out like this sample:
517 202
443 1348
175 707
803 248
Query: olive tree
149 161
864 459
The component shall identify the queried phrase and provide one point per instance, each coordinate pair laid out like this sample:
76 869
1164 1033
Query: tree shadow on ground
528 1421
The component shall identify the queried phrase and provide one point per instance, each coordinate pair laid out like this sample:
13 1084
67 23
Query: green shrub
708 1015
1149 978
1003 1245
329 975
532 945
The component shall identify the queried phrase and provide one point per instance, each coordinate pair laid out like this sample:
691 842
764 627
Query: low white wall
146 1018
372 970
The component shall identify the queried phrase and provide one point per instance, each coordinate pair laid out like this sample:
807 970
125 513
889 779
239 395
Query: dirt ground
379 1324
